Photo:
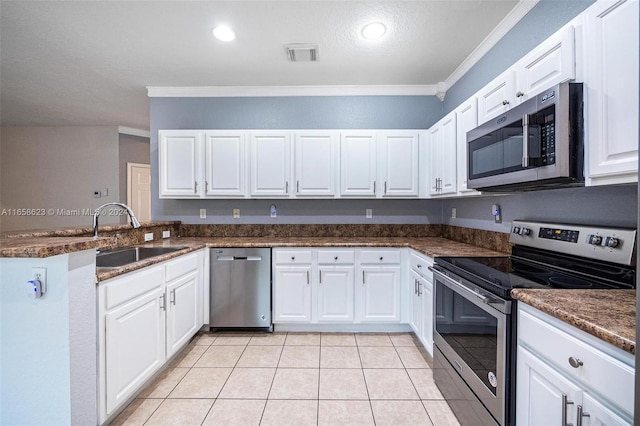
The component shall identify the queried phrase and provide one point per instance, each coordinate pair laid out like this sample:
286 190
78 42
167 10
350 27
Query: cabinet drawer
181 265
336 256
421 264
607 376
380 257
126 287
293 256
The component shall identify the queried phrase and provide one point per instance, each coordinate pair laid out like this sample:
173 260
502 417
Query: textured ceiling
89 62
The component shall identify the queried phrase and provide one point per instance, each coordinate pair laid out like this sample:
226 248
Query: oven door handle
460 288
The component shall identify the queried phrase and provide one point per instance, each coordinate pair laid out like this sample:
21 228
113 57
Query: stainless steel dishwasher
240 294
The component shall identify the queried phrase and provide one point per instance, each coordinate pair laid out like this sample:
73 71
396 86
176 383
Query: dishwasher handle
238 258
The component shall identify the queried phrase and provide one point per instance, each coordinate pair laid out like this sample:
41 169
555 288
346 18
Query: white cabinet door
379 293
540 391
466 120
358 164
292 294
270 164
399 165
552 62
316 163
135 345
179 165
183 320
497 97
442 150
611 76
426 295
225 164
416 303
594 413
335 293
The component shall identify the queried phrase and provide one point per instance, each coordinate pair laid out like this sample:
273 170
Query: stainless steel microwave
537 144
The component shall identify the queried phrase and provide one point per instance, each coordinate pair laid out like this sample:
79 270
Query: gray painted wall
544 19
57 168
349 112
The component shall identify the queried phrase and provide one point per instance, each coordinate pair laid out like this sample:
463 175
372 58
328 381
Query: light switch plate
166 234
203 213
368 213
148 236
236 213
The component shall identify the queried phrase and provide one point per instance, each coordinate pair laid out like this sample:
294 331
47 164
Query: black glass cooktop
533 268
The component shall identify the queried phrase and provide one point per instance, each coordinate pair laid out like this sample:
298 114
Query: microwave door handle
525 141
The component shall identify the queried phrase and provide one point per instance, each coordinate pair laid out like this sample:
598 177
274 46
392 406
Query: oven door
471 330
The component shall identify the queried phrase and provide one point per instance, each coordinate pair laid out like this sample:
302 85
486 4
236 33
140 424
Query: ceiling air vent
302 52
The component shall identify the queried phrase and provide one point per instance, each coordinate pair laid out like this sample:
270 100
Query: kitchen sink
121 257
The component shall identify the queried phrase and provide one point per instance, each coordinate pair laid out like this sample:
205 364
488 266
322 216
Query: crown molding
517 13
133 132
278 91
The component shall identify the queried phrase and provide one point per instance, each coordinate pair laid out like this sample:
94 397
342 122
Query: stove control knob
525 231
611 242
594 240
516 230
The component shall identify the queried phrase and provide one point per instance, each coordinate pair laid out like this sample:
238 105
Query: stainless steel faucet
134 221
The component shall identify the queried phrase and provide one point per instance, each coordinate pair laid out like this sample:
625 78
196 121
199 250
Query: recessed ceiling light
224 33
373 30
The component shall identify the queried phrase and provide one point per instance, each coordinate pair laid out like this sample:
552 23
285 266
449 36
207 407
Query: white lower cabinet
340 286
421 284
565 376
144 318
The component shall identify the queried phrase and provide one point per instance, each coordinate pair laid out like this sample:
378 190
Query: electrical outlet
105 192
166 234
148 236
236 213
368 213
273 211
40 274
203 213
453 212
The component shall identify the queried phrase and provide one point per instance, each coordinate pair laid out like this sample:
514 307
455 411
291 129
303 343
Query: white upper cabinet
358 164
552 62
270 164
179 168
611 77
225 164
497 97
316 163
399 163
466 119
442 156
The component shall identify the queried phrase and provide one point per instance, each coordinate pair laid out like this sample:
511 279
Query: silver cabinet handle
163 304
335 258
286 187
293 258
419 266
419 288
206 186
575 362
362 277
297 186
505 102
565 402
374 187
580 415
307 277
519 94
172 299
415 286
195 187
381 258
385 187
319 277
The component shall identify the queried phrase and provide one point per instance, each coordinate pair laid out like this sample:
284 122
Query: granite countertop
607 314
48 246
430 246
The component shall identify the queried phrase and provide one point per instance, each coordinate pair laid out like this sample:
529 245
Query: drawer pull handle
565 402
335 258
419 266
293 258
381 258
575 362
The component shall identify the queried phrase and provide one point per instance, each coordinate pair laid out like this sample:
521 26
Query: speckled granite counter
607 314
48 246
430 246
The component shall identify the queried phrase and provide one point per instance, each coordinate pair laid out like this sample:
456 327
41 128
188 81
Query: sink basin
121 257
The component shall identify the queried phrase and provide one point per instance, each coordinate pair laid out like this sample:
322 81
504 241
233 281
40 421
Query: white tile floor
294 379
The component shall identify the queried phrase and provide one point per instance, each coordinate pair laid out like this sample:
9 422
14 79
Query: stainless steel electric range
475 322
